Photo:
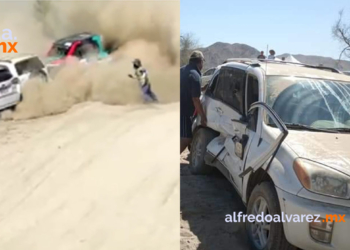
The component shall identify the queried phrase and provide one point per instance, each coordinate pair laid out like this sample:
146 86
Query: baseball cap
197 54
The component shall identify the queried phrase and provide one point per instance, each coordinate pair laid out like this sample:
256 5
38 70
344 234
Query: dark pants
185 127
148 94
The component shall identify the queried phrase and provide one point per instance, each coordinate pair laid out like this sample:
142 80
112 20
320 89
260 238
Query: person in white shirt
141 75
272 55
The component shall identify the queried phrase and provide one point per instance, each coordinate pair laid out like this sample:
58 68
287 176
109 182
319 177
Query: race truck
84 46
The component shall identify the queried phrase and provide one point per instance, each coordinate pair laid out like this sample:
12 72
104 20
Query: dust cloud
148 30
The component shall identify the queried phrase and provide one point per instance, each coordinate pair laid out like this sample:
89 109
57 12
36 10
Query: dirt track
96 177
205 200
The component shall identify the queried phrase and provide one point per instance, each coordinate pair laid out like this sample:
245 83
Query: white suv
14 72
280 133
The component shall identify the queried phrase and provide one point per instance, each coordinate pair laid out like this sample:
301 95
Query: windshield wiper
339 129
298 126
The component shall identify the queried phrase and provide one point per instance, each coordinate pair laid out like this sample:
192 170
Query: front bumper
298 234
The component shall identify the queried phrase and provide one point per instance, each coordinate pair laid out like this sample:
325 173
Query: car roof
14 58
288 69
300 71
74 37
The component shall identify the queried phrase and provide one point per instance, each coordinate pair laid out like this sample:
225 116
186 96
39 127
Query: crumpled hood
331 149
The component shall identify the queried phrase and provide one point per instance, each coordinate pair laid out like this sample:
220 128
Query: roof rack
305 65
242 60
251 61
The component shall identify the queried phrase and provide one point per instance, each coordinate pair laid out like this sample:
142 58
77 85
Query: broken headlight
321 179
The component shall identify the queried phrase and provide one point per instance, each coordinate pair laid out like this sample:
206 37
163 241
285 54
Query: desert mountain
218 52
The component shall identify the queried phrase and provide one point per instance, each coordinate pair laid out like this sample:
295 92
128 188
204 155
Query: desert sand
205 200
95 177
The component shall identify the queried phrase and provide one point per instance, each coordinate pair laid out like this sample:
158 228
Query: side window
5 74
210 90
207 73
230 88
35 64
252 90
89 47
29 65
21 67
252 96
79 51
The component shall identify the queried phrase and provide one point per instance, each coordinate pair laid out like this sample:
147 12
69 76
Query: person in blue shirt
190 91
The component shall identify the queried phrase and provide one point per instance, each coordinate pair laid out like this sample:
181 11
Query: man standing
190 91
141 75
272 55
261 56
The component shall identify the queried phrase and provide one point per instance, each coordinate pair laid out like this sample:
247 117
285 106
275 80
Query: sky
295 27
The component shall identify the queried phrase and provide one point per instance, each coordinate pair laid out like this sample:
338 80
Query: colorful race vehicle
82 46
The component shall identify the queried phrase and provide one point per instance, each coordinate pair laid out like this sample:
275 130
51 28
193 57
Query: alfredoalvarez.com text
240 217
8 47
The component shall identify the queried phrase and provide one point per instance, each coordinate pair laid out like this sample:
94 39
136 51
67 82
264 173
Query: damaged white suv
280 133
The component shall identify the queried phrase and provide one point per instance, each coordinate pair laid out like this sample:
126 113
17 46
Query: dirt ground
205 200
88 179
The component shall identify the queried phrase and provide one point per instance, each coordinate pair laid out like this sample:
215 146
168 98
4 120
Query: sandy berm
84 164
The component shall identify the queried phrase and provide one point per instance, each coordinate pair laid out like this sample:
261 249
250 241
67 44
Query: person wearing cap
272 55
190 91
141 75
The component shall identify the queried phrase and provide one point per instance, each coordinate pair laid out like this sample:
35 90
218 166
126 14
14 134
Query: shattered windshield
323 104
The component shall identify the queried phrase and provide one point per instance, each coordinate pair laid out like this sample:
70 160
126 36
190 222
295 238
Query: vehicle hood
331 149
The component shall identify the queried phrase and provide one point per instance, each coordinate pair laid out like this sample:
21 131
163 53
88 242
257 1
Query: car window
319 103
207 73
29 65
252 90
5 74
230 88
252 96
86 49
58 50
212 85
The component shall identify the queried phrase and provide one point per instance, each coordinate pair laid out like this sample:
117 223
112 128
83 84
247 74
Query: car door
210 104
247 147
260 142
230 91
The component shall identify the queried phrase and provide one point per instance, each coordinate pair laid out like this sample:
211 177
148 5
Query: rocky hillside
218 52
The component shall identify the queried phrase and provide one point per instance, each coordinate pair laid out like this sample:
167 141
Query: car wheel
265 235
199 144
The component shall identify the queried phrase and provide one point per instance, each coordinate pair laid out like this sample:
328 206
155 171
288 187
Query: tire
198 149
276 239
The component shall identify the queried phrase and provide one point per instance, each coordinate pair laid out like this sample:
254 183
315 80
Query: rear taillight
15 81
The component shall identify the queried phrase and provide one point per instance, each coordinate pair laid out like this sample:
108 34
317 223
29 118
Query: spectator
190 91
261 56
272 55
141 75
